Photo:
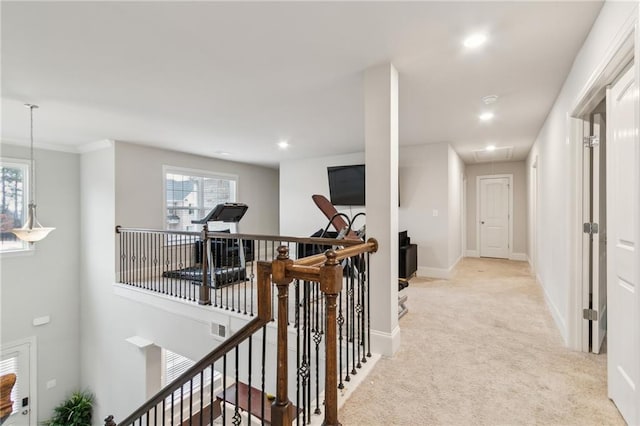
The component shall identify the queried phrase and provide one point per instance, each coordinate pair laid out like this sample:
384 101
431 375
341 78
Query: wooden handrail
264 317
371 246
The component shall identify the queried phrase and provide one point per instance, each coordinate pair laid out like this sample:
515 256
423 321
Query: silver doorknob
25 412
482 222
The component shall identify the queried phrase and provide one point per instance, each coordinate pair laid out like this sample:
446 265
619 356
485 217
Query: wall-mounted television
347 185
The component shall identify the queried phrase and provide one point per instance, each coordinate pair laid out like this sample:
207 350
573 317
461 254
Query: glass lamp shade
32 231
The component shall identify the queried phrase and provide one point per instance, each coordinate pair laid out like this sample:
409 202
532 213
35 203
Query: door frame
624 49
478 197
33 373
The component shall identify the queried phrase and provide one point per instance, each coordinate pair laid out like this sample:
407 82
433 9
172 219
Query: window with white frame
191 194
173 365
14 201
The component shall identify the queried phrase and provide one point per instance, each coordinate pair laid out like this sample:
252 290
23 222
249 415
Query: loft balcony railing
313 297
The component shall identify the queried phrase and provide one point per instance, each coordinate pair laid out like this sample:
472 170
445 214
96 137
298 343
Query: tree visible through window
191 195
13 202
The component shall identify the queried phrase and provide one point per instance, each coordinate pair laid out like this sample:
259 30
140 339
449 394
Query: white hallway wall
123 184
555 167
46 281
430 179
518 170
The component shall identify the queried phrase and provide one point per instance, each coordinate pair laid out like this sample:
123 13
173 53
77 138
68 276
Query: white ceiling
238 77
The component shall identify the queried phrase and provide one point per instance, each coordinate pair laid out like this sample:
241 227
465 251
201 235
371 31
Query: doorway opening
19 358
604 135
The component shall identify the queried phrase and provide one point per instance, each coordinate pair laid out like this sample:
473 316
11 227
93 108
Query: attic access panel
498 154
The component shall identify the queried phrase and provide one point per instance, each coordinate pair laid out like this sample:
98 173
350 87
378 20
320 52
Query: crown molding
47 146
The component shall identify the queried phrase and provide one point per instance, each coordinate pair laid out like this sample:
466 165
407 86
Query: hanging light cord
33 169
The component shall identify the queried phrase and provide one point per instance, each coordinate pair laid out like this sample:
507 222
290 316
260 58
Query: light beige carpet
482 349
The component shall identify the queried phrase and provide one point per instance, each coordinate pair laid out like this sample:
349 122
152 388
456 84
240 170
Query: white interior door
622 222
15 359
494 217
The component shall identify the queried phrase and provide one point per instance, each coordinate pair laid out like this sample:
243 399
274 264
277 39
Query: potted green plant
75 411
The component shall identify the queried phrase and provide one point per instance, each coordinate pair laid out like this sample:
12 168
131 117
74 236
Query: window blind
10 365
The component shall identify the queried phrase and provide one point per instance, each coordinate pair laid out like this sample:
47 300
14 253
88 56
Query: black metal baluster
353 315
264 360
368 266
236 415
201 396
340 338
307 351
317 338
211 392
249 379
363 305
224 389
297 327
347 378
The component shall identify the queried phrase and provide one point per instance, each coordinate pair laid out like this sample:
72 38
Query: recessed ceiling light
489 99
475 40
486 116
491 148
283 144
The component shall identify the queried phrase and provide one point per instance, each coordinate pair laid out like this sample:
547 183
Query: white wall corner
455 264
561 323
471 253
522 257
385 344
428 272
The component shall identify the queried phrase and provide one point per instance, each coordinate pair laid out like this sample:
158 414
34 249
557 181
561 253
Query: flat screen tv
346 185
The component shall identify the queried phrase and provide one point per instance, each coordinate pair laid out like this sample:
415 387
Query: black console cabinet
408 260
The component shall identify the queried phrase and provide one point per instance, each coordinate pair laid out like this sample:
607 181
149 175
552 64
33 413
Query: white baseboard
555 313
471 253
386 344
428 272
519 256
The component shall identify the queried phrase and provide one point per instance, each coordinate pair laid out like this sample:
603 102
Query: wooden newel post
204 297
331 286
280 409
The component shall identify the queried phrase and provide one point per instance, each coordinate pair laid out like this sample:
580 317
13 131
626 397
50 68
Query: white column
381 154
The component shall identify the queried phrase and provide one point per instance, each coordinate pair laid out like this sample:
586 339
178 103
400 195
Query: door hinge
590 228
590 141
590 314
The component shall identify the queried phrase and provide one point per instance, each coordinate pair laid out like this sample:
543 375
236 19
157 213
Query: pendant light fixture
32 231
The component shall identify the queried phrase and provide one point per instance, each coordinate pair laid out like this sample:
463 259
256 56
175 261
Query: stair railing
149 409
327 270
324 268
